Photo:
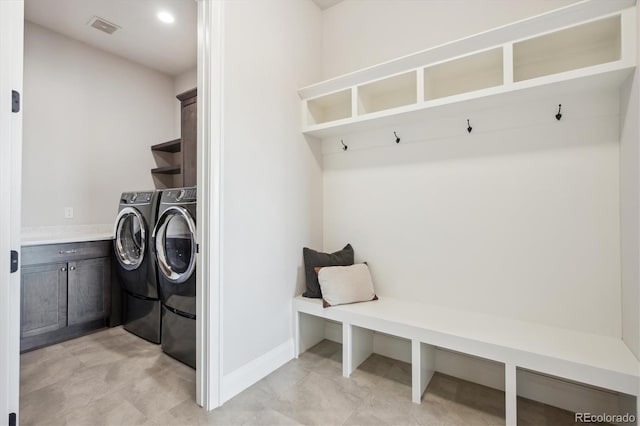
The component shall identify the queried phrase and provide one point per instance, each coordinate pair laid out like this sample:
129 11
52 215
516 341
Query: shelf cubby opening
172 146
324 109
585 45
166 170
467 74
389 93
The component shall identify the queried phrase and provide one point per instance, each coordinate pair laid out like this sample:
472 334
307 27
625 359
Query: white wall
630 208
520 218
89 120
357 34
272 185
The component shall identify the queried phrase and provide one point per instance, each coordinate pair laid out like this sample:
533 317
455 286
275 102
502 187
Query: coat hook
397 138
469 128
344 147
559 115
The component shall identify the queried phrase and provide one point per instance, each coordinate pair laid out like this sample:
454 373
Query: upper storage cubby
466 74
388 93
593 43
334 106
588 44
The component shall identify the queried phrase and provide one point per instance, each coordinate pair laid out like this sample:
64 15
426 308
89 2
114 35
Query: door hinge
12 419
15 101
14 261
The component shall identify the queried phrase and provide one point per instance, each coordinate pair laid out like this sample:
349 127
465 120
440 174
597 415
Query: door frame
11 63
209 297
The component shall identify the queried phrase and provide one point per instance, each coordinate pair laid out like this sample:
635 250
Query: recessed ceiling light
166 17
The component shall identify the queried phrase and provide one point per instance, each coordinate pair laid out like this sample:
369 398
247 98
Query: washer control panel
136 197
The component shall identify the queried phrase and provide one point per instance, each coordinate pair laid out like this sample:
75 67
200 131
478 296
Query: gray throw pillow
313 259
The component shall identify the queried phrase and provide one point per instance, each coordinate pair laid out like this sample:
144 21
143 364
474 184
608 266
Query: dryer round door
130 238
175 244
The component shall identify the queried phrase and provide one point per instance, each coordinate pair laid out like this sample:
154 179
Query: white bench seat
587 358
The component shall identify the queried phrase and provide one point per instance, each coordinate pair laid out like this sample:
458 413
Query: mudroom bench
594 360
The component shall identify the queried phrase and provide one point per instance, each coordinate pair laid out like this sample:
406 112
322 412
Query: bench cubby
593 360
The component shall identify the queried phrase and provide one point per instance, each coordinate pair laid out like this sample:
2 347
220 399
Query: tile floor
114 378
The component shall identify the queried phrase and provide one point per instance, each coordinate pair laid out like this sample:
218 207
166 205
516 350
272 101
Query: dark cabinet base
71 332
65 292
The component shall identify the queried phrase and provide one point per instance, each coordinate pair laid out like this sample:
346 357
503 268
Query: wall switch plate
68 212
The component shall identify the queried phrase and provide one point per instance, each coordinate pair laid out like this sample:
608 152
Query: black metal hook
344 147
397 138
469 128
559 115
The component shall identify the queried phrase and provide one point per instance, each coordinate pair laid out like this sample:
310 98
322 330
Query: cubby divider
310 331
423 367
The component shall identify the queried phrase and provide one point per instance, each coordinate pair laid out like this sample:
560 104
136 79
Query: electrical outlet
68 212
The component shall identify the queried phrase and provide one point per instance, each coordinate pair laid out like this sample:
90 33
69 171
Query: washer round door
130 238
175 244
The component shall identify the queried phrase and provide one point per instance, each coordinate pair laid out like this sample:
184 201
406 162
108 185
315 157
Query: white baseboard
537 387
252 372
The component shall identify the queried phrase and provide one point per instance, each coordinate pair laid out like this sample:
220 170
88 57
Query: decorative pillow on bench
313 259
345 284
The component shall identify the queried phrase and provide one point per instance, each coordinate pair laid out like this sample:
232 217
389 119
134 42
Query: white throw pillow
345 284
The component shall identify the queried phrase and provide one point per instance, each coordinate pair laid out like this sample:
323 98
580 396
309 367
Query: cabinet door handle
63 269
72 268
68 251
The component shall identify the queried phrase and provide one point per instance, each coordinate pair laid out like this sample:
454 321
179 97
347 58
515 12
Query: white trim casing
11 63
209 212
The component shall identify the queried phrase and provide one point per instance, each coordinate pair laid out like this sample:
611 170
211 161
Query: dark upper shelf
171 146
168 170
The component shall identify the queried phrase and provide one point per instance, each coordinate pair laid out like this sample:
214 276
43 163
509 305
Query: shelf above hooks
481 75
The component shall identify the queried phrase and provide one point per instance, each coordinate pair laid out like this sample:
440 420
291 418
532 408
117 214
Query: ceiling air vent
103 25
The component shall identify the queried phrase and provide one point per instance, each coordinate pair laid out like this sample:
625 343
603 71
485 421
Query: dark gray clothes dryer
174 246
141 314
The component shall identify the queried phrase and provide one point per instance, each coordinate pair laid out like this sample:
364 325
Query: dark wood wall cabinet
177 159
65 291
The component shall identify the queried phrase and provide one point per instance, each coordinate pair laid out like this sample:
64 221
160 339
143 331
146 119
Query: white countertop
38 235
